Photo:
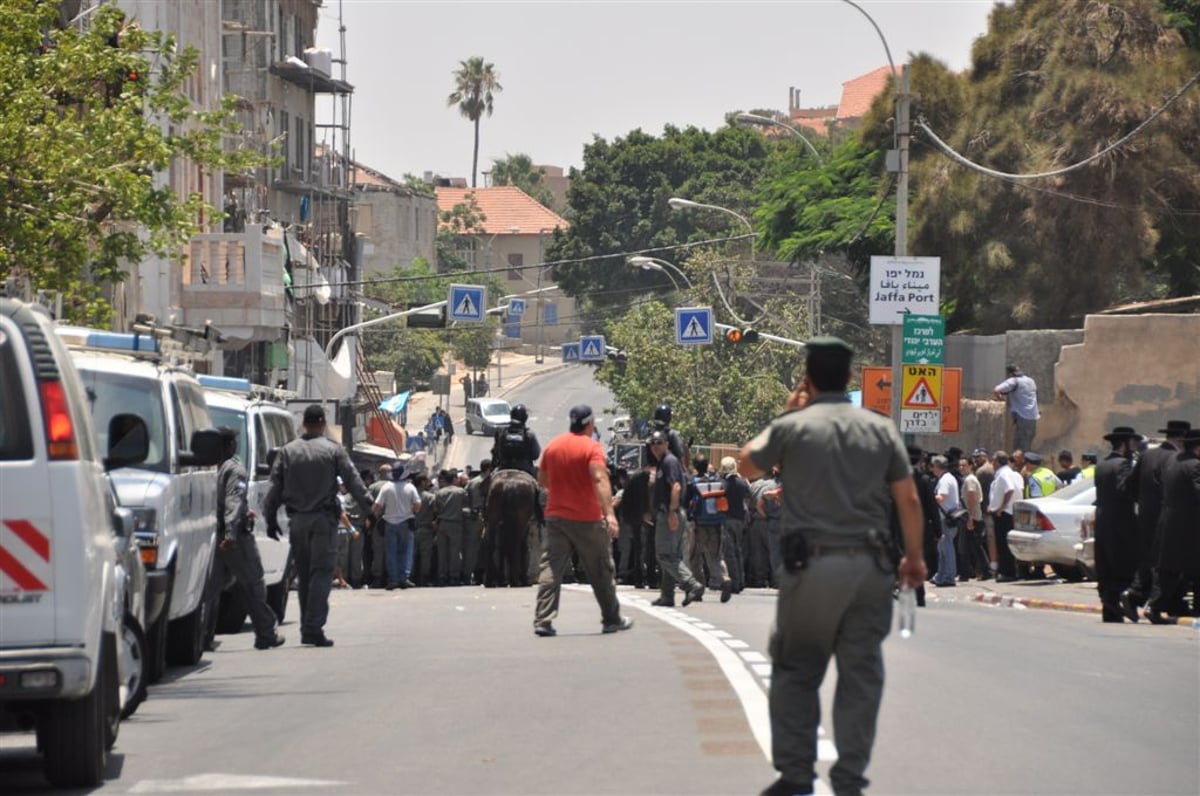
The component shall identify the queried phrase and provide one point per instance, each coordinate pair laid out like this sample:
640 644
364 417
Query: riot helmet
662 415
519 414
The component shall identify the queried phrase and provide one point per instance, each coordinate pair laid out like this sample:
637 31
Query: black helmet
519 414
663 414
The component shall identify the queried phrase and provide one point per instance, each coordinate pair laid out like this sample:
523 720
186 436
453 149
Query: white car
1050 530
263 426
487 415
63 592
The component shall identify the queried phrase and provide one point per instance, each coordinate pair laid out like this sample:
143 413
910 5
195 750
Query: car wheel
1069 573
186 636
133 665
73 734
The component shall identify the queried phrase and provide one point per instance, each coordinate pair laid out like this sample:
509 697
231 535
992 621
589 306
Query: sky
575 69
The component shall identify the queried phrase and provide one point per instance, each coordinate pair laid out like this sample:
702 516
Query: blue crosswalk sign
570 352
516 306
466 302
591 349
693 325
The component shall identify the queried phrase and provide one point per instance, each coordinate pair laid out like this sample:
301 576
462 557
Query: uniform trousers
314 549
472 543
450 549
424 544
733 539
758 557
632 560
589 542
840 604
672 551
711 555
245 564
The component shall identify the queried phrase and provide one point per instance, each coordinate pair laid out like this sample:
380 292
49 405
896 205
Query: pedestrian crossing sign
570 352
693 325
922 387
466 302
516 307
591 349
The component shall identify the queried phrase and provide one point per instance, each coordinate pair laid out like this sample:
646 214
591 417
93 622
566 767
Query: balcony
235 280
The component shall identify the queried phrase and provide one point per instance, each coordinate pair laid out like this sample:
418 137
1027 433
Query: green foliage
519 170
90 120
475 81
1184 16
717 393
459 231
618 203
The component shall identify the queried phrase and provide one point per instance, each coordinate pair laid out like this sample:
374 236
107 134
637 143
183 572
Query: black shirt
736 492
669 472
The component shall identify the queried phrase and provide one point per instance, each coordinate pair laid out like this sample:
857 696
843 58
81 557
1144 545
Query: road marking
222 782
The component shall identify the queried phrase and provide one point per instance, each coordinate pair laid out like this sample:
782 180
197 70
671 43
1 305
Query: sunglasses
656 444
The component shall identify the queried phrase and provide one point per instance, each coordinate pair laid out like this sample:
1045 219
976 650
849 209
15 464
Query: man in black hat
1178 542
304 481
838 464
1146 487
1116 525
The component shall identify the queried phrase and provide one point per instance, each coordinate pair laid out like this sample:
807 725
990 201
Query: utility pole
903 135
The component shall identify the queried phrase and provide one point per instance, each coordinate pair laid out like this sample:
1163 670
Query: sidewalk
1051 594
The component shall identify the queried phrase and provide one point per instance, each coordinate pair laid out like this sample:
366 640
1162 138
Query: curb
1008 601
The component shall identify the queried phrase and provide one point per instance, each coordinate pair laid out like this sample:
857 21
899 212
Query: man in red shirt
579 520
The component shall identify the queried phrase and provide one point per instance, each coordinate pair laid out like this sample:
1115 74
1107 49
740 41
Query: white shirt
399 501
971 486
1002 493
947 490
1021 393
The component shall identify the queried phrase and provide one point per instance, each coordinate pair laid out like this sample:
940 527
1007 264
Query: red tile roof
506 207
859 93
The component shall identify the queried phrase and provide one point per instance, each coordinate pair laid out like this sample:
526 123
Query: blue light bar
122 341
224 383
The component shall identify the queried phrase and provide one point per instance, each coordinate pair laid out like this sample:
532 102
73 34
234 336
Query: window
515 261
235 419
115 393
549 314
15 440
285 122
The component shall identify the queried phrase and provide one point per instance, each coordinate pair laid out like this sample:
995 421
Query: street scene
761 419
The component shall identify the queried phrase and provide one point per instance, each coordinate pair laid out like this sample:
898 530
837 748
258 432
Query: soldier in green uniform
841 468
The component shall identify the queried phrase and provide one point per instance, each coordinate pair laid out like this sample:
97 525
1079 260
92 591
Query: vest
1046 479
514 447
1088 472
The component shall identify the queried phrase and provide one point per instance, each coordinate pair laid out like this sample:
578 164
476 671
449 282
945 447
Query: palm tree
474 83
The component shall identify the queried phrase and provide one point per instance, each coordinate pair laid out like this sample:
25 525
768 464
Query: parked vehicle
172 493
63 596
131 652
1047 530
487 415
263 425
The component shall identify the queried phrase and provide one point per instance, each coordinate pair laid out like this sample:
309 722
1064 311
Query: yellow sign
921 387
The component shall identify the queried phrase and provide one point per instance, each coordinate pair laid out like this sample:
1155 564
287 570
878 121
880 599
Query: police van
62 594
172 494
263 425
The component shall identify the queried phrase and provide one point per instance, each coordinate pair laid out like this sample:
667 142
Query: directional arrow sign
516 306
693 325
466 302
570 352
591 349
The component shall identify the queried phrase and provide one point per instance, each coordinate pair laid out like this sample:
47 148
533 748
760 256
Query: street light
676 203
754 118
655 264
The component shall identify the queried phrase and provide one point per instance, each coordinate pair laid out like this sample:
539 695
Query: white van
62 592
263 425
173 493
487 415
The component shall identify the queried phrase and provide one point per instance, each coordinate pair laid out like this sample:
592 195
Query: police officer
1116 525
670 527
838 464
304 481
516 447
662 422
473 564
450 513
235 543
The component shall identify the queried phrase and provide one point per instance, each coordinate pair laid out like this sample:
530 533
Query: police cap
828 343
1033 457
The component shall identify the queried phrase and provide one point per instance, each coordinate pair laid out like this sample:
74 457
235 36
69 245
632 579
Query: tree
618 204
474 83
458 235
518 170
90 119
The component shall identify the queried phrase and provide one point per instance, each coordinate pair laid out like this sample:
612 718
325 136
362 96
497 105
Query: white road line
227 782
749 656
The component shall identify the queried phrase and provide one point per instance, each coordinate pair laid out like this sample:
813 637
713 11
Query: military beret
828 343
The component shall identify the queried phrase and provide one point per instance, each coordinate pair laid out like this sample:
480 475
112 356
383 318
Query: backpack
712 504
513 446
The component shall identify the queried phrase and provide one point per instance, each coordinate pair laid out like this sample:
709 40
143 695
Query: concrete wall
399 227
1138 370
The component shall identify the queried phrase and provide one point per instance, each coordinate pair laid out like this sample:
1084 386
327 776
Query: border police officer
838 464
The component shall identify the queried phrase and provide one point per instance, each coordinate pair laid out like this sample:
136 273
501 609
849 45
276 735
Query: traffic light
740 336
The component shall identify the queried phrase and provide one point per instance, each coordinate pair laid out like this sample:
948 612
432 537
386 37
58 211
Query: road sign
921 387
570 352
693 325
516 306
951 400
903 285
591 349
877 389
924 340
466 302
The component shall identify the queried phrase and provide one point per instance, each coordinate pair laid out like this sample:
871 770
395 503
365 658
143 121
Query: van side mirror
264 468
128 441
206 449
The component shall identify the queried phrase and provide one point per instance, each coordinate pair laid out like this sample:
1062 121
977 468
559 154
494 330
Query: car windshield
235 419
111 394
1075 489
501 409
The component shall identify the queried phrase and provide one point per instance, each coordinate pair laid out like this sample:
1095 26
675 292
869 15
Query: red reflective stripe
37 541
24 579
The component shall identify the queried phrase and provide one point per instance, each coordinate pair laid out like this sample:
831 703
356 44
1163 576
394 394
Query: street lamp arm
676 203
754 118
656 264
886 48
374 321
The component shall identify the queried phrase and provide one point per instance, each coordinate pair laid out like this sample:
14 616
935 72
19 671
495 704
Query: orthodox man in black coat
1116 523
1178 542
1147 489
